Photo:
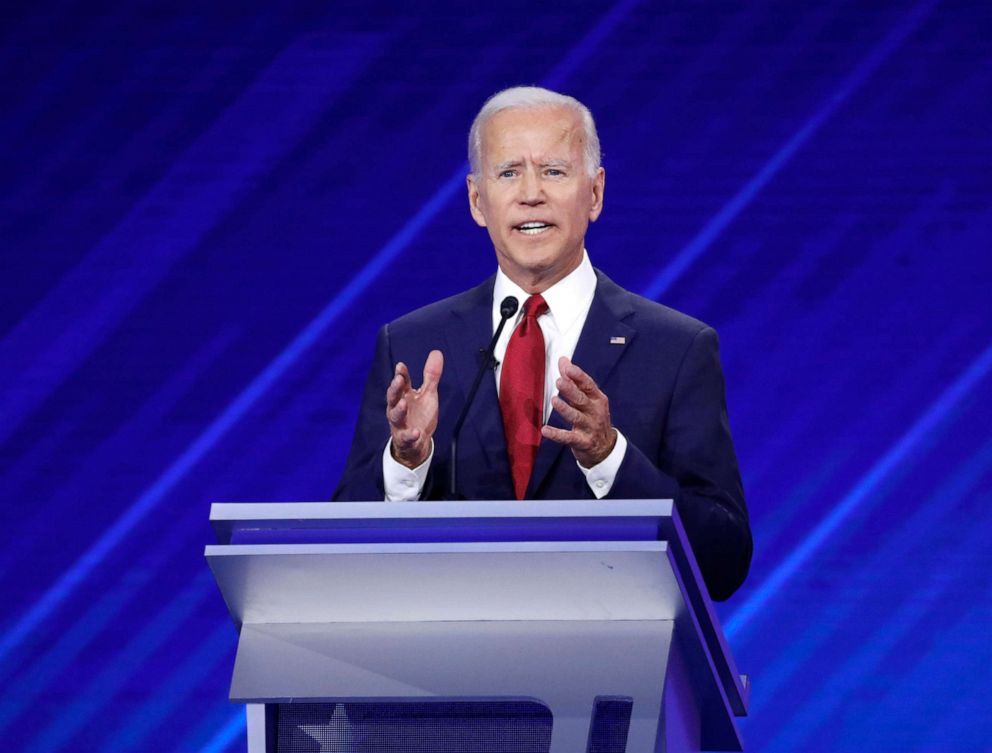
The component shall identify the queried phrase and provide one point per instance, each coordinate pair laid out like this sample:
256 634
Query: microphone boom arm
507 308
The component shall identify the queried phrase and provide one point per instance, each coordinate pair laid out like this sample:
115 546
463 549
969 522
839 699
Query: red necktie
521 393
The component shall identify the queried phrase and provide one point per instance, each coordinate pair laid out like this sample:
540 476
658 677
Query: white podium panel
556 602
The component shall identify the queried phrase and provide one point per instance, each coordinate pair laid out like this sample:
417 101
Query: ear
598 188
473 200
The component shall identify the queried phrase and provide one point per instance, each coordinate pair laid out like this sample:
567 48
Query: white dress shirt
568 302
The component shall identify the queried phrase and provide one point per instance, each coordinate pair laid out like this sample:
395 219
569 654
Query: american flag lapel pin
618 340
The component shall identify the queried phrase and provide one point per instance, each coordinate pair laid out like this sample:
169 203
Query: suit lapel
597 353
482 438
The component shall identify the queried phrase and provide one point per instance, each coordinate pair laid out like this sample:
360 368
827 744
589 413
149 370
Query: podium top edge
259 511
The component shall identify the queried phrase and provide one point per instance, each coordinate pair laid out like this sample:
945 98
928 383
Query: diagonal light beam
228 734
81 569
674 269
863 489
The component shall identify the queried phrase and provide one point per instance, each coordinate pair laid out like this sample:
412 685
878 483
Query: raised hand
413 414
581 402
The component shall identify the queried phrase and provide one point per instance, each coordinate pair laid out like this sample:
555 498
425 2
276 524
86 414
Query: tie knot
535 306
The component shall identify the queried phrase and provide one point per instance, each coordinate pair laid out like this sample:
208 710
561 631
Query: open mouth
533 228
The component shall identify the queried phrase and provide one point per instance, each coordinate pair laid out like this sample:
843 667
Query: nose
531 191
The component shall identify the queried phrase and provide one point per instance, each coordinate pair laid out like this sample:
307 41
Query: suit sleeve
697 467
362 480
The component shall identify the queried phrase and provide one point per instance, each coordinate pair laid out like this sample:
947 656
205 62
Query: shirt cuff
602 475
401 483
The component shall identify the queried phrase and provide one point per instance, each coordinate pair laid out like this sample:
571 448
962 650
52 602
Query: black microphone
507 308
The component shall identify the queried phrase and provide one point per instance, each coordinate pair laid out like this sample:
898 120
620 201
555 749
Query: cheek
577 217
483 213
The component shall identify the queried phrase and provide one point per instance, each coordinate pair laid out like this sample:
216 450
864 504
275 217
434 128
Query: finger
584 382
561 436
569 413
408 437
433 367
397 413
395 391
401 372
571 392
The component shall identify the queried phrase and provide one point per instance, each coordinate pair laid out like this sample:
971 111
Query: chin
536 266
536 262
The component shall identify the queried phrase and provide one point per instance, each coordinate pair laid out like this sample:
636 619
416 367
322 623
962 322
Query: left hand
581 402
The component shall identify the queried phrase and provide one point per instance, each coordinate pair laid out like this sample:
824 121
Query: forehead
542 132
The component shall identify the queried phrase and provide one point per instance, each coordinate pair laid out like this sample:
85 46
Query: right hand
413 414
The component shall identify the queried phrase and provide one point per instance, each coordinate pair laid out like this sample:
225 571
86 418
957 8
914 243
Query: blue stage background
208 212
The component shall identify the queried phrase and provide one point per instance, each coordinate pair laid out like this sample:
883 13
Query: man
597 391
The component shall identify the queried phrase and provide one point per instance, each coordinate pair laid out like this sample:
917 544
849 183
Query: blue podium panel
486 726
415 727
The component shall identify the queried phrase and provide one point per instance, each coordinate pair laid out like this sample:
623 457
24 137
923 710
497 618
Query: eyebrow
517 163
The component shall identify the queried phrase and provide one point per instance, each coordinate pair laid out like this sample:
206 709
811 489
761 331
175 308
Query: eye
554 172
508 173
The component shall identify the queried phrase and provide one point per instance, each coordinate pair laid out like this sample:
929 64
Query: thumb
432 369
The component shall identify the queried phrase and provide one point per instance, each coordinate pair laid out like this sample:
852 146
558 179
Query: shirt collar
567 299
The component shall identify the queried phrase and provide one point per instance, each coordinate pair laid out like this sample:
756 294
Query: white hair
532 97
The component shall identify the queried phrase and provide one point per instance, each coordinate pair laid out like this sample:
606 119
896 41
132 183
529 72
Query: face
534 194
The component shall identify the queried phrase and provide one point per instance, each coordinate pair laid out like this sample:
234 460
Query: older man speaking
597 392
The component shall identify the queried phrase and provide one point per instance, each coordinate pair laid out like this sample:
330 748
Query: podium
591 615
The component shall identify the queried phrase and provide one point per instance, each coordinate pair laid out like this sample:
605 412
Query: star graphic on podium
335 736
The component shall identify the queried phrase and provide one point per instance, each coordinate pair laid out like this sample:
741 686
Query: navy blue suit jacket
661 372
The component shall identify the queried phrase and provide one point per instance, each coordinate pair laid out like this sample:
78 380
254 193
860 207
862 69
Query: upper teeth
533 226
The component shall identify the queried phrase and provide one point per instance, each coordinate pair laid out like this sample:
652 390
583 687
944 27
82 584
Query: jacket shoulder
647 315
434 314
